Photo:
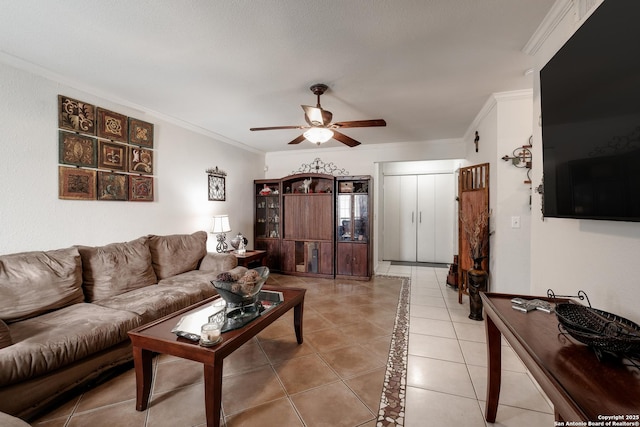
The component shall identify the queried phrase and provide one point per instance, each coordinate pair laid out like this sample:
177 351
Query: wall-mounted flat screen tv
590 99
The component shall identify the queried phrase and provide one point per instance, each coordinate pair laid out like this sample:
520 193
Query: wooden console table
581 387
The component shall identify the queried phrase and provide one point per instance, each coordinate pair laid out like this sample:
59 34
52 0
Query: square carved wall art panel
76 183
140 133
140 188
76 115
112 125
113 186
112 156
140 160
78 150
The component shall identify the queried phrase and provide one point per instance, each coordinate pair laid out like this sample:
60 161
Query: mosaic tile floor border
392 402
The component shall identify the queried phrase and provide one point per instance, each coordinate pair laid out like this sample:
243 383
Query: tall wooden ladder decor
473 198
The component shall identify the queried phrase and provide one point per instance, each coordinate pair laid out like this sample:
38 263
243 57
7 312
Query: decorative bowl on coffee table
241 299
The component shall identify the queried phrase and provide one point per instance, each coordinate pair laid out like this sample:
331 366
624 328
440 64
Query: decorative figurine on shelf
265 190
306 184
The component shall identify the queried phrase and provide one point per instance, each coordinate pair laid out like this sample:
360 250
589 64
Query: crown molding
557 13
37 70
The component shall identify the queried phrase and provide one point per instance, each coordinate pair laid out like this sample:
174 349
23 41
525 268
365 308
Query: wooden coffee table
156 337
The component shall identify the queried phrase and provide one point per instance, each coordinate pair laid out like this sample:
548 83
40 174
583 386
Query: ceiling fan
320 128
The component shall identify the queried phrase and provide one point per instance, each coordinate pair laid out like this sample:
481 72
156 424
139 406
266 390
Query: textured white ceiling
425 66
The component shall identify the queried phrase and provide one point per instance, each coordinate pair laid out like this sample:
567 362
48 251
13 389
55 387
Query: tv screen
590 99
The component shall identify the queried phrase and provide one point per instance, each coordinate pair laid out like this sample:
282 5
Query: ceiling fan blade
316 116
298 140
280 127
361 123
347 140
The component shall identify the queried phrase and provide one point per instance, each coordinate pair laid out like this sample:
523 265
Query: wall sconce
522 158
221 226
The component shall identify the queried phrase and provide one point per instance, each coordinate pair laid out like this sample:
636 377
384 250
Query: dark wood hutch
315 224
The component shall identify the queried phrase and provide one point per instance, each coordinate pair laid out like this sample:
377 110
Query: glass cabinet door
353 217
361 217
267 213
345 218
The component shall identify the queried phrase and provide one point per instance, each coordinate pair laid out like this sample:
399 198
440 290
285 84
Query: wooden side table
251 257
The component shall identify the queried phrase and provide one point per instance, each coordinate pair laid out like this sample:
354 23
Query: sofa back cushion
116 268
177 253
32 283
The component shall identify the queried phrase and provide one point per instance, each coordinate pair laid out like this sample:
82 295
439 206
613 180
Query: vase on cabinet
239 241
477 282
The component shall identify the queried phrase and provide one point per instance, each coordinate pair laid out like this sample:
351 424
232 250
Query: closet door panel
426 208
408 217
444 217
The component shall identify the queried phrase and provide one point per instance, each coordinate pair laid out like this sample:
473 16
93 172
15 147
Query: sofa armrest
220 262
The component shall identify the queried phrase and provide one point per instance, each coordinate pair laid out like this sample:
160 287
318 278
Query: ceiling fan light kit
318 135
320 129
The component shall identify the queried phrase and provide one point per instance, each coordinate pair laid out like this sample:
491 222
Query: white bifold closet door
419 218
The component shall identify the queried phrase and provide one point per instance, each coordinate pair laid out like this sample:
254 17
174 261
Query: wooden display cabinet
353 231
307 246
268 220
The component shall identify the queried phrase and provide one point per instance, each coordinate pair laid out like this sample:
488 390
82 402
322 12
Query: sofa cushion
5 335
116 268
153 302
45 343
177 253
32 283
195 281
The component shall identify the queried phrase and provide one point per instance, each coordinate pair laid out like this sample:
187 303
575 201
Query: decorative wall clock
217 189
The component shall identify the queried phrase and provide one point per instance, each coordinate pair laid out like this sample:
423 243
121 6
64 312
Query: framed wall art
78 150
140 188
76 115
140 133
75 183
112 156
217 190
112 125
140 160
113 186
103 155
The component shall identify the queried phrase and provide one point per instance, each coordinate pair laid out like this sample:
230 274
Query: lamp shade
318 135
220 224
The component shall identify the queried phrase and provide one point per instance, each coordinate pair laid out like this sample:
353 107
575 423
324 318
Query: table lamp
221 226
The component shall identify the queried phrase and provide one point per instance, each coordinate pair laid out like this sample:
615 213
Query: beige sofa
64 314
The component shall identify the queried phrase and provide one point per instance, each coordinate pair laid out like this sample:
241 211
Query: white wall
33 218
504 124
567 254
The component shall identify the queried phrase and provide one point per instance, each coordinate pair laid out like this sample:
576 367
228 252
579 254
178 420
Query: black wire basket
602 331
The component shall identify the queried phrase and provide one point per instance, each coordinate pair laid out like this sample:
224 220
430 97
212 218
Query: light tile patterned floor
446 375
334 378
